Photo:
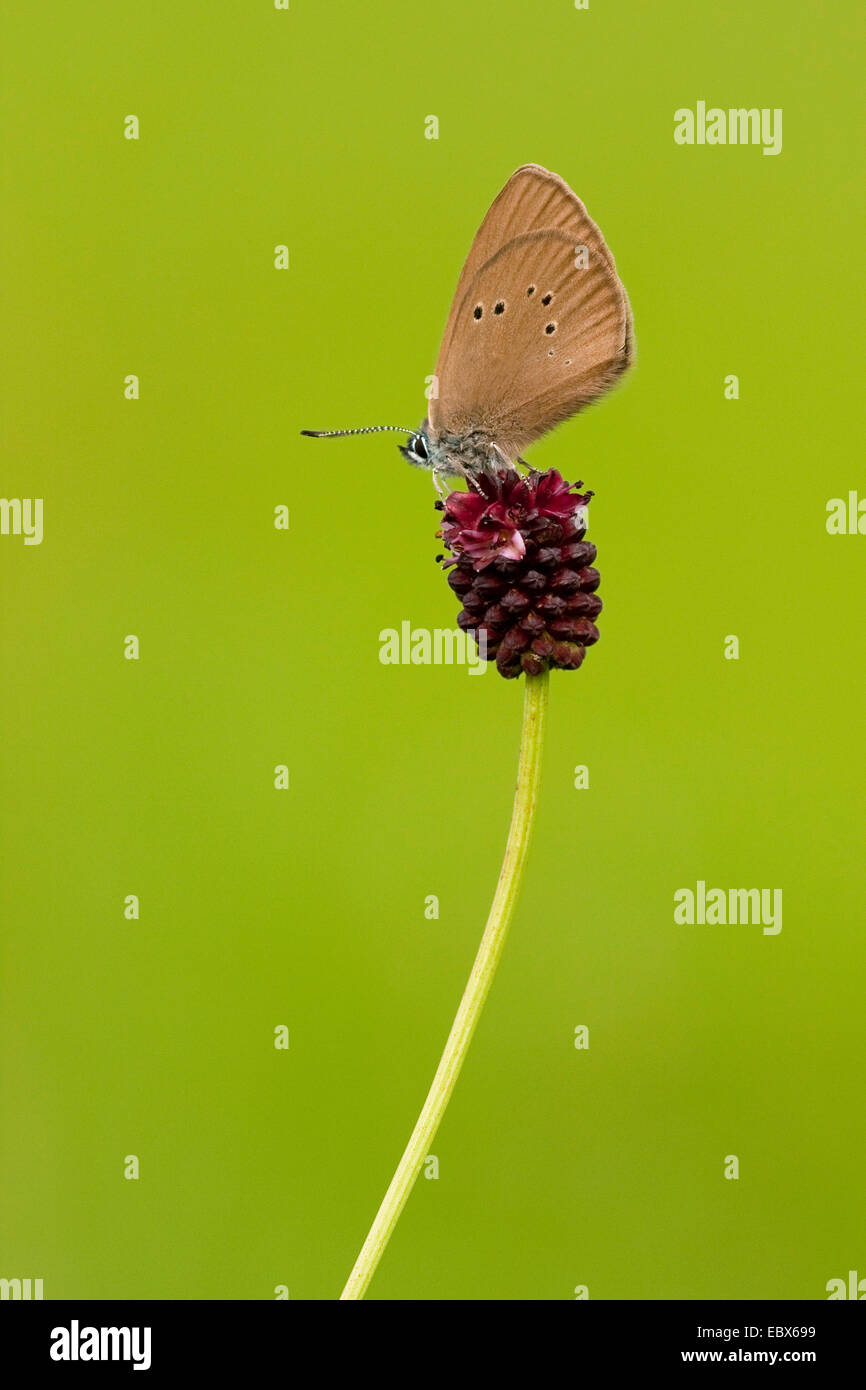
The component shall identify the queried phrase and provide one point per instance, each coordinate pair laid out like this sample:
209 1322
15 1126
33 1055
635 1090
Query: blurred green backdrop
258 647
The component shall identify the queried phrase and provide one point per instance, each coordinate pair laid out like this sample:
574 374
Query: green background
258 647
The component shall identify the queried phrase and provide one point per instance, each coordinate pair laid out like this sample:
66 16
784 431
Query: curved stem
475 993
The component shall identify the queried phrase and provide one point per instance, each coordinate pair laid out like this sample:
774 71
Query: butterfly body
455 455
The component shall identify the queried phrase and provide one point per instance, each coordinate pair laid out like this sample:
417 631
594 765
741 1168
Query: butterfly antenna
364 429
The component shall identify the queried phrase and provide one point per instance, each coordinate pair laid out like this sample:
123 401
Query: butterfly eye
418 446
477 311
499 308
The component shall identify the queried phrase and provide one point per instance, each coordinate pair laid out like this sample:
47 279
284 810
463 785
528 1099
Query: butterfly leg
500 460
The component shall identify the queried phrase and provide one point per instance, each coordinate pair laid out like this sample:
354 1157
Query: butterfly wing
502 371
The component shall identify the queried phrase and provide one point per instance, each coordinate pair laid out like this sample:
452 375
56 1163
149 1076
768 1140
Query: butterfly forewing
533 200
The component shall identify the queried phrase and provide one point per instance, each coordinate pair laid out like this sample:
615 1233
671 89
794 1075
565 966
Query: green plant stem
475 993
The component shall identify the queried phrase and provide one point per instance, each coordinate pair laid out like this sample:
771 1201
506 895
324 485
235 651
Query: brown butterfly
540 326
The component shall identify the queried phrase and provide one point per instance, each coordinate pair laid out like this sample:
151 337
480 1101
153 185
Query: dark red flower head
522 569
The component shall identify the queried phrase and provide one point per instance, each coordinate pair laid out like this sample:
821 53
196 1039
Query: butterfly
540 327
